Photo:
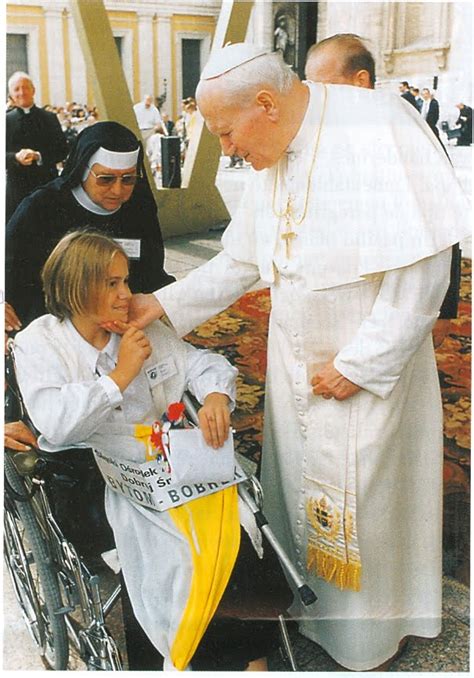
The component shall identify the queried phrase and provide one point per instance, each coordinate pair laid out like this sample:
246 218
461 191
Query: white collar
26 110
300 142
83 199
89 353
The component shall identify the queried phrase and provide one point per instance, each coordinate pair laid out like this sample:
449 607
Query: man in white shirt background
148 116
430 109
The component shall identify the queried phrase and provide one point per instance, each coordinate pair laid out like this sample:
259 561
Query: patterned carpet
240 333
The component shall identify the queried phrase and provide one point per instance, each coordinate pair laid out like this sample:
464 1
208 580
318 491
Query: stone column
164 66
54 41
262 23
78 66
145 52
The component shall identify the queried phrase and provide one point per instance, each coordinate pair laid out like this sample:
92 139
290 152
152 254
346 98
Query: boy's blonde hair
75 271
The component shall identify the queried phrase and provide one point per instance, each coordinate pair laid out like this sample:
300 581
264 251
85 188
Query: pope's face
244 131
111 196
23 93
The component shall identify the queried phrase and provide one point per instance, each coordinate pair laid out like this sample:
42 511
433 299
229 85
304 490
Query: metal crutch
306 594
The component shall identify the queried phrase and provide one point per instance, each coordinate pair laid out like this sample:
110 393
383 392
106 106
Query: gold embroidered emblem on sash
329 554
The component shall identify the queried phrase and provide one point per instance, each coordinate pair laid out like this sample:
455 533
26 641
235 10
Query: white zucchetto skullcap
230 56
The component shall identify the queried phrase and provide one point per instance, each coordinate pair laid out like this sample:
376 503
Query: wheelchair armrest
25 462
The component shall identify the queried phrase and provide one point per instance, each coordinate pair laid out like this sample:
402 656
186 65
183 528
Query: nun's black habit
51 211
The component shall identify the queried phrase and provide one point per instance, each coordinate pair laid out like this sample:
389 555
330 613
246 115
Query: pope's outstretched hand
143 310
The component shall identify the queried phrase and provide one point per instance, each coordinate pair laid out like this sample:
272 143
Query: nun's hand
17 436
12 321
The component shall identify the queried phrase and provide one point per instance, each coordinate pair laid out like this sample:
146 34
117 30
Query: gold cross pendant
289 234
288 237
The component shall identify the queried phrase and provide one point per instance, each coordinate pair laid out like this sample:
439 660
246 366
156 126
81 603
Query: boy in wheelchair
82 386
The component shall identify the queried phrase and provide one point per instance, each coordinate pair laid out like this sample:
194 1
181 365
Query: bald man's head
341 59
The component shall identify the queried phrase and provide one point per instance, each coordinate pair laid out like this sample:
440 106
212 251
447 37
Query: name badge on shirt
161 371
132 246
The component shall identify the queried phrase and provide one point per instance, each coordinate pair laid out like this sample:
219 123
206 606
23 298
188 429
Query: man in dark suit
430 109
404 88
465 121
34 143
418 100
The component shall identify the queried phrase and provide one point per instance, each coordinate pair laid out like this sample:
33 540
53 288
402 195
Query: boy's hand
214 419
134 349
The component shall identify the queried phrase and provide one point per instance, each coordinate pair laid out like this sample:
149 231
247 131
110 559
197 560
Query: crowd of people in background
73 117
153 123
427 105
183 127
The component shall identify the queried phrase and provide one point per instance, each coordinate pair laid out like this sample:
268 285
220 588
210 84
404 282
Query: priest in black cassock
34 143
102 187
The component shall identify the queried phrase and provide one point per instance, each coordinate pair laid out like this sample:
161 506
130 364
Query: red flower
175 412
156 437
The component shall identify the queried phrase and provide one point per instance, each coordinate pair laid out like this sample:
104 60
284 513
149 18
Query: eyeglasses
110 179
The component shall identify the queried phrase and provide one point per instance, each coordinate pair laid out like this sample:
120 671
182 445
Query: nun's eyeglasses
110 179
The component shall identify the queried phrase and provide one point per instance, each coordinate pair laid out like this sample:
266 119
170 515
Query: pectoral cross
289 234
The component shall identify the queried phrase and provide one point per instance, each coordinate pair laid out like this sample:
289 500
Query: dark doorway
294 31
119 45
191 65
17 53
308 20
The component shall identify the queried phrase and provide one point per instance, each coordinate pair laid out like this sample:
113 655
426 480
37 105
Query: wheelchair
59 584
60 597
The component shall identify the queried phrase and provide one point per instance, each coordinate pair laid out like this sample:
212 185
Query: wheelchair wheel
34 579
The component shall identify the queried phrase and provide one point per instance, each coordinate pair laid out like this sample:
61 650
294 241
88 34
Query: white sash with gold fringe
330 485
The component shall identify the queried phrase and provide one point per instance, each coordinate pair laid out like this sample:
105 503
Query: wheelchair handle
307 595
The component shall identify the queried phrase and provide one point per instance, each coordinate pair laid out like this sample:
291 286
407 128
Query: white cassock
354 488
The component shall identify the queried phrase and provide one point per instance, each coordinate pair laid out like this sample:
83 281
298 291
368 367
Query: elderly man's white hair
240 84
18 75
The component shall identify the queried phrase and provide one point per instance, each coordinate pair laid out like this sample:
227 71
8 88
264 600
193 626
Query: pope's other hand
329 383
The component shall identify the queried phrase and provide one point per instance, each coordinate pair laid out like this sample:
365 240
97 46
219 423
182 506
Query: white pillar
54 43
78 66
164 64
262 24
145 52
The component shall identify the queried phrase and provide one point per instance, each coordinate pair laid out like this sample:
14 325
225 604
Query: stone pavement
448 653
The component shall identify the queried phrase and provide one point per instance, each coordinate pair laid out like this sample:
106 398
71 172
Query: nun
103 187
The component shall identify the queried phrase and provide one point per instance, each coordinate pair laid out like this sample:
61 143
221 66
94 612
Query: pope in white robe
352 485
